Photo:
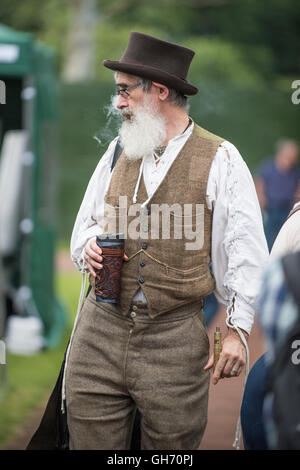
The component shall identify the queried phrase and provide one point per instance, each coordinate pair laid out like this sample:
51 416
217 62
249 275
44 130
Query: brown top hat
157 60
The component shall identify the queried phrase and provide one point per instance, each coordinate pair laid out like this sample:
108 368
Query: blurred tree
216 59
26 16
271 24
227 62
274 24
174 17
47 20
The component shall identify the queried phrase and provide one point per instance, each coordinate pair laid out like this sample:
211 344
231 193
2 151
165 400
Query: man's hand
93 258
232 358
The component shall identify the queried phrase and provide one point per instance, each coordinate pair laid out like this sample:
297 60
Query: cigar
217 345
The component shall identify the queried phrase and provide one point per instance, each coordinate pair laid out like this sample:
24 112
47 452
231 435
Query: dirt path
225 398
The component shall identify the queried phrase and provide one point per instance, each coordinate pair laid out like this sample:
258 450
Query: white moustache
126 114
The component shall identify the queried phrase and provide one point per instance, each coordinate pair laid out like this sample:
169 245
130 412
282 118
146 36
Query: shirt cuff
240 313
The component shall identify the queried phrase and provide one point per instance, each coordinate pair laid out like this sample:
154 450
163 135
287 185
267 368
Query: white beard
143 132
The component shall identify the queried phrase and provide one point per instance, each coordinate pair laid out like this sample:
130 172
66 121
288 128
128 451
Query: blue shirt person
278 187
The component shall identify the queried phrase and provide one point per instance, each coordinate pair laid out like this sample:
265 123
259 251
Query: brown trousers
118 363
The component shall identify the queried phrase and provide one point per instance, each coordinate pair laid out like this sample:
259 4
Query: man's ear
163 91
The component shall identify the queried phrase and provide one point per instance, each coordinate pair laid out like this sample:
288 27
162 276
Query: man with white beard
150 351
144 129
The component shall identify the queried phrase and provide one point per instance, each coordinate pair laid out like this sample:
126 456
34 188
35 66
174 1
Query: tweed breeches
118 363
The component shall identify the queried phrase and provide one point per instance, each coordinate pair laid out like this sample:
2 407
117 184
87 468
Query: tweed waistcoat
168 242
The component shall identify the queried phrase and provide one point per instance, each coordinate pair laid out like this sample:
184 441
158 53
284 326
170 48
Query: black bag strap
118 151
291 268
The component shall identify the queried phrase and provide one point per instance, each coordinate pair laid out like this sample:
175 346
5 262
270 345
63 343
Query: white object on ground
24 335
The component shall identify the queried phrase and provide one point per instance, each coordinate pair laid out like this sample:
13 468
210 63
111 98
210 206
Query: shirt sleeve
89 220
239 248
288 238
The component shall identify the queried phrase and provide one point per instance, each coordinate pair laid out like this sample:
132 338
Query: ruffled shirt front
239 249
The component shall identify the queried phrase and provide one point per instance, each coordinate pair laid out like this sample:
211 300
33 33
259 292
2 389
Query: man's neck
177 121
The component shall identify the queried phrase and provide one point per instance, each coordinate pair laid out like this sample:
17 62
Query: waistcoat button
142 263
144 246
141 280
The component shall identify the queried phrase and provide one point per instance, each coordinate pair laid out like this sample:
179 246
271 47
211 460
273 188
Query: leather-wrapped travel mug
108 279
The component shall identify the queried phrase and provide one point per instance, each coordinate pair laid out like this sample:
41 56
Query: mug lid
111 236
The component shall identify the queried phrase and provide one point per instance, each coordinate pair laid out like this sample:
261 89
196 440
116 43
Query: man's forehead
124 79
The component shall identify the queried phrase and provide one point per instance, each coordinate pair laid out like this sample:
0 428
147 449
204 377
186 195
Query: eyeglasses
124 91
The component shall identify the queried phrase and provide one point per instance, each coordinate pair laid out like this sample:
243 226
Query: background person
278 311
278 187
270 305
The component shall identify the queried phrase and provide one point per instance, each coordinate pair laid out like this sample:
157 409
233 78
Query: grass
31 378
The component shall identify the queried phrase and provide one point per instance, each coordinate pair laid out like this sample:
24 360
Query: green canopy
16 52
28 69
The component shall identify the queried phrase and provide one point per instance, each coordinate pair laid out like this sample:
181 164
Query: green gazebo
28 117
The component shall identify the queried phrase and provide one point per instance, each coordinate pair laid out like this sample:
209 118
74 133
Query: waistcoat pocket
185 274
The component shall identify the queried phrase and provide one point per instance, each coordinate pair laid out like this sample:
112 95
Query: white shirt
239 249
288 238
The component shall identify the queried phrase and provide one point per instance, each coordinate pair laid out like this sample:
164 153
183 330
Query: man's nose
121 102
